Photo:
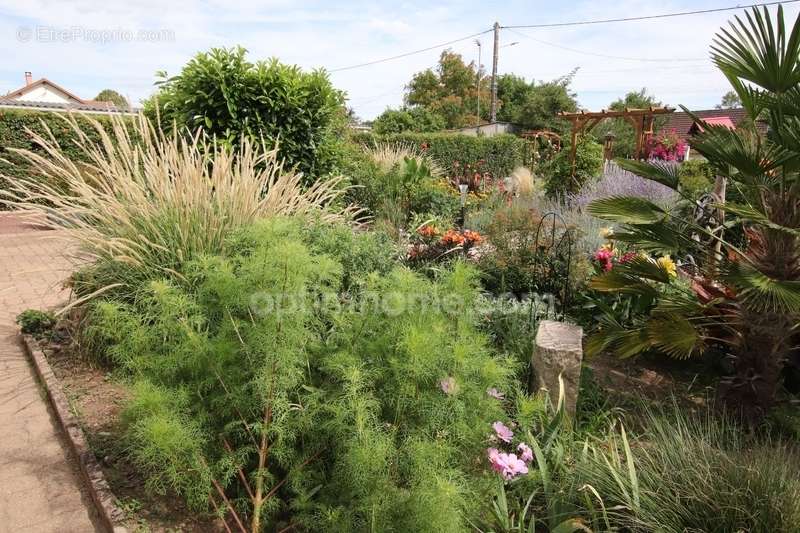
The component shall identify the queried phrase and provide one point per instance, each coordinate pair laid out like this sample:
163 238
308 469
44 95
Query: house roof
90 106
682 122
713 121
11 100
43 81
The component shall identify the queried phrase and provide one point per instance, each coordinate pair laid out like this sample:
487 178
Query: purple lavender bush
618 182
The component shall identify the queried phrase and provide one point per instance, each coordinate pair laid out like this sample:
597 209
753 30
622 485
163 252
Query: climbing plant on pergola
641 119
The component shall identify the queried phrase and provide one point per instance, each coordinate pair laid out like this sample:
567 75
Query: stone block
558 352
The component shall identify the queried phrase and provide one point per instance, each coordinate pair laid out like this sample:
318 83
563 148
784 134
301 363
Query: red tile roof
682 123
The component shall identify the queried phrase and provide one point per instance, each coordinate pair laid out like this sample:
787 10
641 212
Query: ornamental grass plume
141 203
389 156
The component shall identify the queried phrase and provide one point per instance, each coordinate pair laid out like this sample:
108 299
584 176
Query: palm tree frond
659 171
627 210
674 335
762 292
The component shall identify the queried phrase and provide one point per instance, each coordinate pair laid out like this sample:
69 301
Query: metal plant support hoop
549 255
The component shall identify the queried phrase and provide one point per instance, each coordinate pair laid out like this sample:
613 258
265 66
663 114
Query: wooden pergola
641 119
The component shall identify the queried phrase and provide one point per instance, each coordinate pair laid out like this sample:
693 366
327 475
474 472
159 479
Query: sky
89 45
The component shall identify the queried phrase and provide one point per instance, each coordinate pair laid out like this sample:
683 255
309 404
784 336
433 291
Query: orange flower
428 230
453 238
472 237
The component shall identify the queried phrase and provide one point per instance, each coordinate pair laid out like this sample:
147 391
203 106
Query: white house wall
45 93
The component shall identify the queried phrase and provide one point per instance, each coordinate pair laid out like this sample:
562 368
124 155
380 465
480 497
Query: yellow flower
668 264
606 232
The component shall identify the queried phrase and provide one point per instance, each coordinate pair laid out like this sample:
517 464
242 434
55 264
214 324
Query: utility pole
494 71
478 88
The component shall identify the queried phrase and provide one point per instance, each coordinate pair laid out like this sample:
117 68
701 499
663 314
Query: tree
535 105
745 298
451 91
730 100
625 142
110 95
220 91
415 119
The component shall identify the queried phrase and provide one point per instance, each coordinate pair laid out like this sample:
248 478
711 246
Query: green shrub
348 397
395 182
414 119
517 263
695 177
35 322
229 97
501 154
559 180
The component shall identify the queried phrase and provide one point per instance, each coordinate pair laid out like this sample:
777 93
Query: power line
421 50
648 17
597 54
565 24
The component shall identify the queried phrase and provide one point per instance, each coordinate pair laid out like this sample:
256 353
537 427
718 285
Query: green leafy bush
35 322
413 119
229 97
395 182
695 177
367 412
559 180
500 154
517 262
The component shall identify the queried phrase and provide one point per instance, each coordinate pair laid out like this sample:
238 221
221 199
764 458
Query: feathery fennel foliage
329 417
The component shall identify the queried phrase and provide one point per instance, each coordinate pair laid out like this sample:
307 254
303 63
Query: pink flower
506 464
526 454
604 256
494 460
496 394
448 385
503 432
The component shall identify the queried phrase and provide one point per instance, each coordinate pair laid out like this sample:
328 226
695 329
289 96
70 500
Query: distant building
686 126
488 129
44 95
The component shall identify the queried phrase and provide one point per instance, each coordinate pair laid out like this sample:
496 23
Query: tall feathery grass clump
141 202
390 156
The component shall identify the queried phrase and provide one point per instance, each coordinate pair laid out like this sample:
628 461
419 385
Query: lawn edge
105 501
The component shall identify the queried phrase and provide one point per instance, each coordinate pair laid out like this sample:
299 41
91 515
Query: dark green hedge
13 134
500 153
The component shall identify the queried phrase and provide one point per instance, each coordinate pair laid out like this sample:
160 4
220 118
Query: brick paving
40 487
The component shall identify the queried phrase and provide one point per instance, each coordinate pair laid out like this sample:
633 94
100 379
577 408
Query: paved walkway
40 487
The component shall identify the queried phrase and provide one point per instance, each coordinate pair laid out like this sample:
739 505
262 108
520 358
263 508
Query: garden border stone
110 514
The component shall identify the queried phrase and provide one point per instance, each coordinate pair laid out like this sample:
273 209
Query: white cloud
314 34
